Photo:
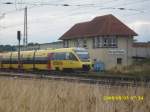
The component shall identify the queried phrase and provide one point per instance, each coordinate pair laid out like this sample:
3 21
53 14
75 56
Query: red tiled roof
107 25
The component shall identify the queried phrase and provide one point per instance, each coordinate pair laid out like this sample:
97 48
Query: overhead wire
134 2
131 3
66 5
35 4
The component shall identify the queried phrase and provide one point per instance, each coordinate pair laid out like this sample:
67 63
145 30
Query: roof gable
107 25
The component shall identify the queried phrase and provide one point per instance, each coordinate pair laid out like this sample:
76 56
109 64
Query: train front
84 58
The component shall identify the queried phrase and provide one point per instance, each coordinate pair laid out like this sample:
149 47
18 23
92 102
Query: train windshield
83 55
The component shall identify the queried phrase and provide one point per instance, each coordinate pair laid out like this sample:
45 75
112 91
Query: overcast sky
48 19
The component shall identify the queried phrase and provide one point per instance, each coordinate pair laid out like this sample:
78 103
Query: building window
66 43
93 42
84 43
119 61
114 42
79 43
75 43
105 42
97 42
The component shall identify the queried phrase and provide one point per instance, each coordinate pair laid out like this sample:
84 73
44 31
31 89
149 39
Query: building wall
143 51
109 55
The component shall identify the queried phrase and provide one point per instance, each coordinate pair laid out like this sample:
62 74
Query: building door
119 61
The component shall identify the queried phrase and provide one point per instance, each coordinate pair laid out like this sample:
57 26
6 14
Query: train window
6 60
72 57
41 60
14 60
27 60
59 56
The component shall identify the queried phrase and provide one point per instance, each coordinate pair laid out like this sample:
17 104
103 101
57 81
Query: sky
48 20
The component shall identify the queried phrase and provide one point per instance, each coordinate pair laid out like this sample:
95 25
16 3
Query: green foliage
32 44
4 48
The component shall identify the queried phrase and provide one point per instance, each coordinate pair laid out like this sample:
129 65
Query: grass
138 68
18 95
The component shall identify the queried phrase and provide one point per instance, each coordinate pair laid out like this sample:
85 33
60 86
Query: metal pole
27 25
19 38
25 38
26 31
127 52
24 34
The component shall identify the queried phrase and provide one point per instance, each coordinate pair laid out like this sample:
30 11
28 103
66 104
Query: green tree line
4 48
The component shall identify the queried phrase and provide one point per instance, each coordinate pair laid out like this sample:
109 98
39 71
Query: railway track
82 78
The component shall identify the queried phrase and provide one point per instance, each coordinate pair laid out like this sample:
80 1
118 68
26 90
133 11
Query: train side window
6 60
40 60
27 60
59 56
62 56
53 56
14 60
72 57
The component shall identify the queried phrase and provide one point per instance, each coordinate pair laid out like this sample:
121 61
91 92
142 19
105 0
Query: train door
1 61
49 65
21 61
58 60
34 60
10 64
72 61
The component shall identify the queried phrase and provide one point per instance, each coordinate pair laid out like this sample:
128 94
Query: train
62 59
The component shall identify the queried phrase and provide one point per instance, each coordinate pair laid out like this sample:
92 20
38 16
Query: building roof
107 25
56 42
141 44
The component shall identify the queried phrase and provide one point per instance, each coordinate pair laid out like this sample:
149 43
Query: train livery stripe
57 59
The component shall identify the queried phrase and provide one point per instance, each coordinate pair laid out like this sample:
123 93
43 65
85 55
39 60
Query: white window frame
97 42
105 42
79 42
114 42
66 43
85 43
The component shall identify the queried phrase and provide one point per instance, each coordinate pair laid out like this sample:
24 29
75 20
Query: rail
83 77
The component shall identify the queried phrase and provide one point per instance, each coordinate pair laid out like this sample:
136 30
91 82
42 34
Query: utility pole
24 35
25 38
19 38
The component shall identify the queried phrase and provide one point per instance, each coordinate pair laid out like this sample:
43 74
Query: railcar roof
47 50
